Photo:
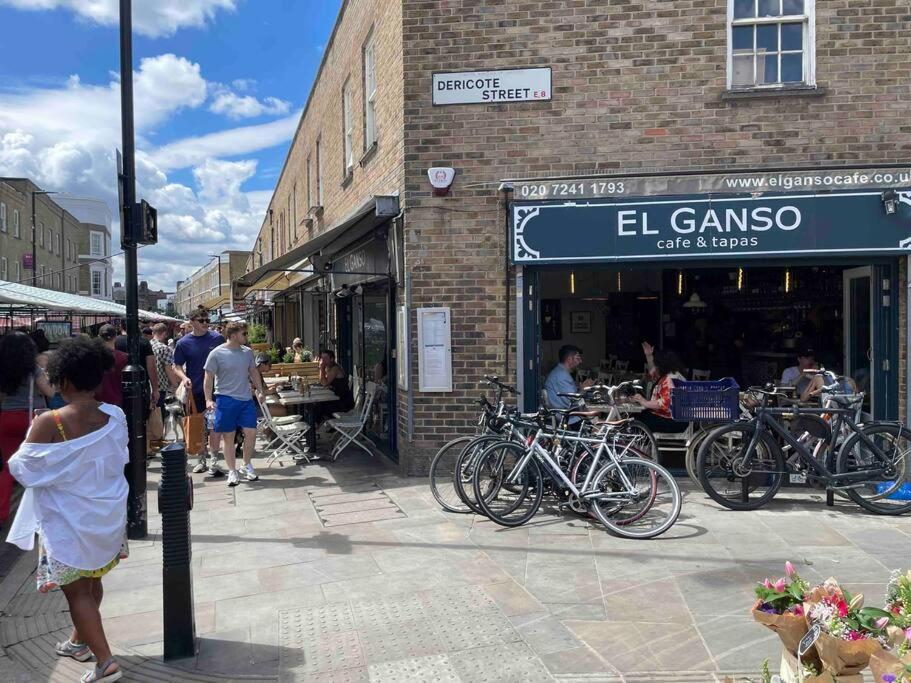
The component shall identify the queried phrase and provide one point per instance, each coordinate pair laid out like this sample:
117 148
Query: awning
271 275
14 295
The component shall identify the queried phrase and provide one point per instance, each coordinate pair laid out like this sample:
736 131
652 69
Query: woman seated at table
663 367
332 376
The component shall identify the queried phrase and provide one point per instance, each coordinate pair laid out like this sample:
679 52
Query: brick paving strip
348 572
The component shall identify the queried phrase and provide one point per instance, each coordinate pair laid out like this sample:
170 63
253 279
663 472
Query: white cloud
64 138
236 106
234 142
152 18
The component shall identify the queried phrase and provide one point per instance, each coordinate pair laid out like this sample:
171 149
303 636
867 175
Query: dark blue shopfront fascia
700 229
840 224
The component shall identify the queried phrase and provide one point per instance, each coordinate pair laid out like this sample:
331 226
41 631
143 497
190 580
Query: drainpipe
506 189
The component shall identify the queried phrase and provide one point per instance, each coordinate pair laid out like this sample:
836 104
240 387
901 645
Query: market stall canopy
14 295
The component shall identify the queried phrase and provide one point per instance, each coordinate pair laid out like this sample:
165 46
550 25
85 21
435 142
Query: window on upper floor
97 278
309 203
348 129
369 93
3 267
49 240
40 234
771 43
67 249
18 271
17 228
2 217
57 243
96 244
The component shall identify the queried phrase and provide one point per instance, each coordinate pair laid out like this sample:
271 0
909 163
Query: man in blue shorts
190 354
230 369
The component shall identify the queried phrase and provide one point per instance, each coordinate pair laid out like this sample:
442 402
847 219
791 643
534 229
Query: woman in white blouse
75 499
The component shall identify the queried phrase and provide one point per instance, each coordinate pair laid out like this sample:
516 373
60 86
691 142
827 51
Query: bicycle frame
765 417
542 455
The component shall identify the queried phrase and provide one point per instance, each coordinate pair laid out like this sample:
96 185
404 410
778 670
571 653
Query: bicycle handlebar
494 380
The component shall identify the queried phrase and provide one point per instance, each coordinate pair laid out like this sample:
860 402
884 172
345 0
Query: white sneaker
250 473
232 478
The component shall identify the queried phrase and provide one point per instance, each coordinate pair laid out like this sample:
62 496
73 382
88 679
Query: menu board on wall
434 349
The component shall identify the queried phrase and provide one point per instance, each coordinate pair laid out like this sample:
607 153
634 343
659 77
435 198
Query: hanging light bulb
679 283
572 282
619 282
740 279
787 281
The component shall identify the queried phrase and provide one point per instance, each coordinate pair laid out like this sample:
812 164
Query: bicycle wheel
692 452
886 493
465 467
637 498
507 497
730 482
582 465
442 474
642 438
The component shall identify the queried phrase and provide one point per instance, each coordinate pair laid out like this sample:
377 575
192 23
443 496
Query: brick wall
377 173
637 87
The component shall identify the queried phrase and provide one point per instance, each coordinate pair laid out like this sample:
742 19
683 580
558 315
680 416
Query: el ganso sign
490 87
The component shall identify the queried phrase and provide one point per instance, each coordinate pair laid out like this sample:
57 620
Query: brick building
724 177
210 285
63 251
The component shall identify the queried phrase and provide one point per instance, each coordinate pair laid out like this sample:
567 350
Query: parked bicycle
742 465
631 495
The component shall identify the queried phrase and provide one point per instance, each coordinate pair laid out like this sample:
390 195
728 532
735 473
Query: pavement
347 572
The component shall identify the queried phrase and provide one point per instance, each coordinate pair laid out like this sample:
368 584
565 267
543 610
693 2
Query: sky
219 86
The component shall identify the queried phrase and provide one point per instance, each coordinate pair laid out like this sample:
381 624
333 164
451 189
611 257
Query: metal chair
289 433
351 429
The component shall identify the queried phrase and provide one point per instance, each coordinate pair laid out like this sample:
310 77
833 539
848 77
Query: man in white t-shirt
230 369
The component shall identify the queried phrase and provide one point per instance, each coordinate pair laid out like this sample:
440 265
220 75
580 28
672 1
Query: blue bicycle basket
715 401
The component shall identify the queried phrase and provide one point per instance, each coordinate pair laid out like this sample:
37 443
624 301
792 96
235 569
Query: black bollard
175 500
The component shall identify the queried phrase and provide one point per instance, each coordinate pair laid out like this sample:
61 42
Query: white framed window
348 128
68 247
96 244
771 43
18 271
2 217
3 267
309 203
40 234
369 93
319 173
17 229
97 279
57 244
56 280
49 242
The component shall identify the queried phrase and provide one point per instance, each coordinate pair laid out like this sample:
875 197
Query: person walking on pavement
71 465
167 380
190 354
111 388
230 368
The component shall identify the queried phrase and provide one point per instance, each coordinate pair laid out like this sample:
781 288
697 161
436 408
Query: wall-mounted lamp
890 201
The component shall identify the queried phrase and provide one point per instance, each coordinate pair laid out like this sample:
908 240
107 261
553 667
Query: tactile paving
378 614
307 646
435 668
403 640
500 664
446 602
473 629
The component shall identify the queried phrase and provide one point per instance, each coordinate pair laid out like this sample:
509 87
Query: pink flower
908 633
789 569
798 610
779 586
882 622
767 584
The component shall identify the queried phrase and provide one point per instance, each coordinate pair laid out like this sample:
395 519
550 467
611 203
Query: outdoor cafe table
295 398
272 381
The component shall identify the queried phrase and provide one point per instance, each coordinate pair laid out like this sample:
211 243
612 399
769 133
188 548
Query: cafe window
770 43
369 93
348 128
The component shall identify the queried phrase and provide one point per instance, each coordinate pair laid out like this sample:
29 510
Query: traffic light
145 223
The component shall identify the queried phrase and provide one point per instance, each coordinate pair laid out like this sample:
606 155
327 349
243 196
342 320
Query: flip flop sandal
97 675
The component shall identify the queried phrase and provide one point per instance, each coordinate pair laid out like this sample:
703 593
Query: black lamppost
134 376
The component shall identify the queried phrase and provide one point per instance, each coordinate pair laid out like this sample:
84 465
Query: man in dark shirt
111 389
190 354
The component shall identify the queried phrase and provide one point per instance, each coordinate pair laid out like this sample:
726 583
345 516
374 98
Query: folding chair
289 435
351 429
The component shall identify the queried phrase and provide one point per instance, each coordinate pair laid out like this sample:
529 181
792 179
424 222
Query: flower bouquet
779 607
851 633
893 666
